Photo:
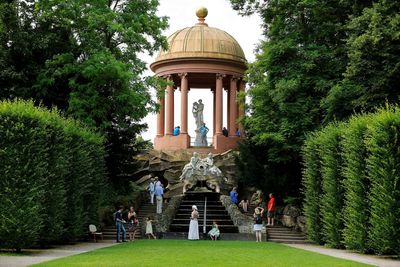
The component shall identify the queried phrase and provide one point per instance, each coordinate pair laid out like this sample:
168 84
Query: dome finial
201 13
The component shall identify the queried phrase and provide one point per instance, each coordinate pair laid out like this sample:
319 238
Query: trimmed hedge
351 182
312 188
52 176
332 188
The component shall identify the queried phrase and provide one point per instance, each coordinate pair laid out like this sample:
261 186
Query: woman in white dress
194 224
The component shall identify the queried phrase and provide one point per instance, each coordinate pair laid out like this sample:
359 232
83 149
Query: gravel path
40 255
344 254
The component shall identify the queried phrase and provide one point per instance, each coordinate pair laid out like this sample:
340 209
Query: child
214 232
149 228
244 204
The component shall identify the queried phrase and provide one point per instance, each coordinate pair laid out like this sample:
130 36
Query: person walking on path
119 223
194 224
258 224
234 196
159 192
151 189
271 210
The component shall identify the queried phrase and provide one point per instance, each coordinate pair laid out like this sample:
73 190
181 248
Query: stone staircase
215 211
146 210
281 234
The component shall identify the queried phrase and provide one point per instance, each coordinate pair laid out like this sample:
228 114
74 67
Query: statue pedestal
222 143
170 142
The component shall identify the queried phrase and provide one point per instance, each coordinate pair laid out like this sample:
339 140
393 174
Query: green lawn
199 253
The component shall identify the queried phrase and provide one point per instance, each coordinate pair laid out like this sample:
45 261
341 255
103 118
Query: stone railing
164 220
244 223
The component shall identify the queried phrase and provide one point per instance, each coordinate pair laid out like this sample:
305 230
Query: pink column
184 103
161 116
218 104
228 109
241 110
170 109
213 92
232 107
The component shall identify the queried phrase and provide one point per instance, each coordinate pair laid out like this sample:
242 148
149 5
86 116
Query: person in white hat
194 224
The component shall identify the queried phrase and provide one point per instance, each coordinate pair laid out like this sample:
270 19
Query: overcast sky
246 30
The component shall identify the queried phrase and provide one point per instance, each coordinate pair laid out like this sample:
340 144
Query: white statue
202 170
200 108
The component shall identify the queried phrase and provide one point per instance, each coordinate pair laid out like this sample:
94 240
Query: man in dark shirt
119 221
225 132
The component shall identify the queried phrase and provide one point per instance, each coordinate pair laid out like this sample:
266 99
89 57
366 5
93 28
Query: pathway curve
345 254
40 255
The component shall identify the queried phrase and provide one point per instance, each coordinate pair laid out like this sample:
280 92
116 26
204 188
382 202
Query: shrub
332 188
356 183
312 188
384 173
52 176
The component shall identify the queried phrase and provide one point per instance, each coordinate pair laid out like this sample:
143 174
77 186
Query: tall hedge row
352 183
52 176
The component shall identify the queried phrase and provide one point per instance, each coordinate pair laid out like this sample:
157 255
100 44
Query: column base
170 142
222 143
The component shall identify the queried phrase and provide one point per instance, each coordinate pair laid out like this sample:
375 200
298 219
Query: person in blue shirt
177 130
234 196
237 132
203 131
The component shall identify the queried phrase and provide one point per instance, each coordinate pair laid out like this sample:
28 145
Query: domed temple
207 58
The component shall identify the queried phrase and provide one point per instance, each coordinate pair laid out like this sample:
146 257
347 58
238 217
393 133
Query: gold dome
201 41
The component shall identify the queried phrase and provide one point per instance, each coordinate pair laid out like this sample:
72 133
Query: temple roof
202 41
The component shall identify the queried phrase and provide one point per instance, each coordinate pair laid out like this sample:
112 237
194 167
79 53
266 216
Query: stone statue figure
195 114
201 130
200 109
202 170
256 199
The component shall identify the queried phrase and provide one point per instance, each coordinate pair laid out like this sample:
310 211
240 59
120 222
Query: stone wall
165 219
168 167
243 222
291 217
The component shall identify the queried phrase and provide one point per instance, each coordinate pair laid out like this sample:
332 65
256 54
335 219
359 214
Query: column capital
235 78
220 76
183 74
168 77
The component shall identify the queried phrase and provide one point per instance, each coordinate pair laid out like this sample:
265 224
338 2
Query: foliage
332 186
312 188
383 173
356 183
180 252
53 176
357 163
372 73
83 57
302 56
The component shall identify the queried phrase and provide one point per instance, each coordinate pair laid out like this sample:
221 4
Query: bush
332 187
53 176
356 183
384 173
312 188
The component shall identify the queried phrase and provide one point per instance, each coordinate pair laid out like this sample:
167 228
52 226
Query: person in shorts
271 208
258 224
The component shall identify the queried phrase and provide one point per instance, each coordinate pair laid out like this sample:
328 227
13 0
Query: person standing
225 132
159 192
151 189
133 223
203 131
234 196
149 228
119 223
258 224
194 224
177 130
271 210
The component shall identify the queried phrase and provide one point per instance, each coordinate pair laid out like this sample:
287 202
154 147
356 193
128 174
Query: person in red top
271 210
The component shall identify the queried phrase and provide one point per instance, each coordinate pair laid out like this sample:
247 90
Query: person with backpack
119 223
258 223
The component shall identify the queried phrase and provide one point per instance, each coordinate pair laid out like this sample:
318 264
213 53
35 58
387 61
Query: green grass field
199 253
